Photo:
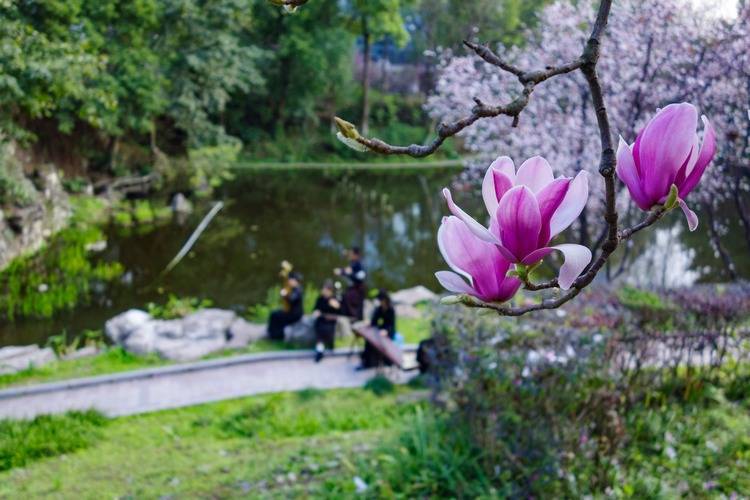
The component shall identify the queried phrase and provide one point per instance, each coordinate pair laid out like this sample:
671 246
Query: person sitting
354 296
384 319
291 310
326 312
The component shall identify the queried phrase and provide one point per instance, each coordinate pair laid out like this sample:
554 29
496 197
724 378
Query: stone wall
25 229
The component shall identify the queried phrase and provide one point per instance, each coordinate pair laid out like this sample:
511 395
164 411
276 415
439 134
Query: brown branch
528 79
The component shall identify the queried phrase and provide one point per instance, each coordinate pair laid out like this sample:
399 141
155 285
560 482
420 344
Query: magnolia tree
656 52
527 207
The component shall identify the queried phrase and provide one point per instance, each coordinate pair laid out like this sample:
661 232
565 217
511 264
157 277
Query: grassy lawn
290 444
115 359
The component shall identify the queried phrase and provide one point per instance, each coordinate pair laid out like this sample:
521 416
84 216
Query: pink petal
549 198
708 149
504 165
454 283
692 219
577 257
479 261
507 289
664 146
572 205
464 252
475 227
496 182
520 221
535 173
628 174
536 256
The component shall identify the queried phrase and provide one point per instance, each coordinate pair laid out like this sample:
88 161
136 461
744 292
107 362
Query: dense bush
559 407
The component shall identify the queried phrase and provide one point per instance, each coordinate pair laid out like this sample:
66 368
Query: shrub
24 441
177 307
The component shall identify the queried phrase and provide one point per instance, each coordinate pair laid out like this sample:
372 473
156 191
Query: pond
310 217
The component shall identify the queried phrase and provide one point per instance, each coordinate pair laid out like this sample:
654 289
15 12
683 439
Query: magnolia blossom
527 209
667 153
477 260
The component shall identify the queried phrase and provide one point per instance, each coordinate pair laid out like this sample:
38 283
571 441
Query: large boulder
241 333
142 340
185 349
208 323
186 339
122 325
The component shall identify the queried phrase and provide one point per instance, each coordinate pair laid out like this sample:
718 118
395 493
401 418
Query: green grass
304 444
25 441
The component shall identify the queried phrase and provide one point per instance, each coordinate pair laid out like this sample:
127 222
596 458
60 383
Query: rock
122 325
15 358
170 328
413 296
241 333
301 333
186 349
208 323
84 352
142 340
181 205
16 350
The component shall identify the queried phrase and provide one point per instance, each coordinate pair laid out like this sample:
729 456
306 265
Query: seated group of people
329 310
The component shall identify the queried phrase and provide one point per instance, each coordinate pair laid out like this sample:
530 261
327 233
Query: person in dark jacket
356 292
326 312
384 319
292 307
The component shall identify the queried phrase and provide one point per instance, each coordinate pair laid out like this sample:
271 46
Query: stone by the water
17 358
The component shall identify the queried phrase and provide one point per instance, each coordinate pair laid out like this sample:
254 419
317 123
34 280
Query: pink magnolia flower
527 209
478 261
667 152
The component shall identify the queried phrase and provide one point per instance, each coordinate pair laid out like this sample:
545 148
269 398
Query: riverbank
114 359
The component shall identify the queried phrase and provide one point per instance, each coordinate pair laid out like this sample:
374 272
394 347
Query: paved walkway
142 391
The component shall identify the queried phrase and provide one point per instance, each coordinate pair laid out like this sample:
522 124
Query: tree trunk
365 124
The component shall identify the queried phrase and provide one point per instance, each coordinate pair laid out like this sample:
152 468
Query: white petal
453 282
572 205
577 257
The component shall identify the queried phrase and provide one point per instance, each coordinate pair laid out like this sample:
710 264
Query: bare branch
528 79
490 57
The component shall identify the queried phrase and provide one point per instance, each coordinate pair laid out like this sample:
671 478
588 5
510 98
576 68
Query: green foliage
15 189
56 278
211 166
380 385
636 298
281 415
177 307
119 66
23 442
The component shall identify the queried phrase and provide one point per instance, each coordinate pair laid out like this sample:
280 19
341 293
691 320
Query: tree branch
528 79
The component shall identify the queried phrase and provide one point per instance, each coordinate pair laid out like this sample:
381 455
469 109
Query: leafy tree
374 20
205 59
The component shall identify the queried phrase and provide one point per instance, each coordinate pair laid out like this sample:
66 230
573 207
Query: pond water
310 217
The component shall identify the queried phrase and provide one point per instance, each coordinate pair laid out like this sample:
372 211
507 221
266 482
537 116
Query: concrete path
142 391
